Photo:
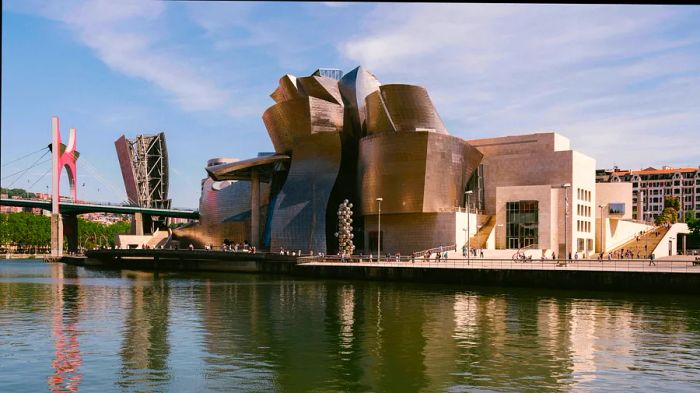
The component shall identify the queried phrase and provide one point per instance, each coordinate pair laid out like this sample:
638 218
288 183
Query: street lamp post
379 230
601 229
566 213
468 193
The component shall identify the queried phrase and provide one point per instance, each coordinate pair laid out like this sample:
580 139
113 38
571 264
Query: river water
64 328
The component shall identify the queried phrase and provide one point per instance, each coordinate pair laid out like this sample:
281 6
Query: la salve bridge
65 211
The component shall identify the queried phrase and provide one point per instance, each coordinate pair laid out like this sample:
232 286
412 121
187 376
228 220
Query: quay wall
218 261
185 260
648 281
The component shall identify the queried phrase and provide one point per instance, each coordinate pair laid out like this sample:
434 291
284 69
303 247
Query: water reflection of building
600 339
66 311
145 347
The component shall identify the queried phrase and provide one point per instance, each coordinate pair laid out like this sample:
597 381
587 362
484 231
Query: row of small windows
668 191
659 208
583 195
676 183
583 210
583 226
584 245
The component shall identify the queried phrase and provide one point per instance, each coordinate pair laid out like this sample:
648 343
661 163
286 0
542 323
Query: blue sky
622 82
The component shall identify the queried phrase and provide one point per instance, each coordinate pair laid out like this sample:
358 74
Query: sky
622 82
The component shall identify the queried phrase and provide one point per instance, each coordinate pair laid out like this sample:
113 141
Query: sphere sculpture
344 234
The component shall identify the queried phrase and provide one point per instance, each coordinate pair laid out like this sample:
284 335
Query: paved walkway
627 265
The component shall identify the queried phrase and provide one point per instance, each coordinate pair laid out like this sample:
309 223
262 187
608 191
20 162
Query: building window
579 244
589 244
616 208
522 224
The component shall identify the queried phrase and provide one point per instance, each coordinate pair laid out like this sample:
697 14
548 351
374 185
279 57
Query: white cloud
336 4
129 36
593 73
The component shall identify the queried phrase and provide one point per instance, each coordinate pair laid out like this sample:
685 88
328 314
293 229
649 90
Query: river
65 328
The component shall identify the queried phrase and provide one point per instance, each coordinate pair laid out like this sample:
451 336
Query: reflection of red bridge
67 360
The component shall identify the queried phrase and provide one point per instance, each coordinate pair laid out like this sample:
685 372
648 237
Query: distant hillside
17 192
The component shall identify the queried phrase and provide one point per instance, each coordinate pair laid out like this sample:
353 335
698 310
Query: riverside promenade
676 264
668 276
679 275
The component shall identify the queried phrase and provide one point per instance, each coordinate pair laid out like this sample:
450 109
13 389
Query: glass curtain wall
521 224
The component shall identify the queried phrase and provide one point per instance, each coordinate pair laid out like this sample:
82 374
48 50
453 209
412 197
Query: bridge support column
254 208
70 230
56 235
137 224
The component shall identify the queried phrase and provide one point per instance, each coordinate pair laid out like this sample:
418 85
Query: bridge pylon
62 156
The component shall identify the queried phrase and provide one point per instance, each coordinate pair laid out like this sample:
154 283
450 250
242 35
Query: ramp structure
144 165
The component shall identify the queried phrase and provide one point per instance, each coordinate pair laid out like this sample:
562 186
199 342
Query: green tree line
32 233
17 192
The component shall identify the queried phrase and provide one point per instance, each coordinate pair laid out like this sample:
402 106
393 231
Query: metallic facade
297 118
402 108
299 215
414 172
144 165
342 137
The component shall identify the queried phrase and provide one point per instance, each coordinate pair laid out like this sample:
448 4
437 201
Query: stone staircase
479 239
158 238
650 239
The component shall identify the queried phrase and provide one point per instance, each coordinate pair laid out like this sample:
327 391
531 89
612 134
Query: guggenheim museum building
384 149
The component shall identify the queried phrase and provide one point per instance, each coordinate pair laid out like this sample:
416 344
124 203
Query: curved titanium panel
378 120
241 170
321 87
287 89
299 215
224 212
408 107
298 118
417 172
231 198
355 86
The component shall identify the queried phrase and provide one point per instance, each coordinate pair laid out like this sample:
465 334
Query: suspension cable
24 156
28 168
39 179
91 168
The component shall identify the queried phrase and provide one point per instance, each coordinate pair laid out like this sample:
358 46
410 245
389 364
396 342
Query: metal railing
440 249
613 265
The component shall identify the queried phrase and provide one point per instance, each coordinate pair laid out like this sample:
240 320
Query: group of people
229 245
623 254
294 253
473 252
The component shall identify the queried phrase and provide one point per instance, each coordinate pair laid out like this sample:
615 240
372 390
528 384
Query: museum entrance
522 224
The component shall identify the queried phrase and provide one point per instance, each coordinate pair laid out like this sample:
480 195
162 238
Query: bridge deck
80 208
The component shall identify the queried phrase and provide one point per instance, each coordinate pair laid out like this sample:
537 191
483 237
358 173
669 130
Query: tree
670 213
20 192
668 216
29 232
672 202
694 226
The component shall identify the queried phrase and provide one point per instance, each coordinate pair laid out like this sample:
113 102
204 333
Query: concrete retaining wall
562 279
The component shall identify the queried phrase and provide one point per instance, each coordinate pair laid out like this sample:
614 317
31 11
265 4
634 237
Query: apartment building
651 185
